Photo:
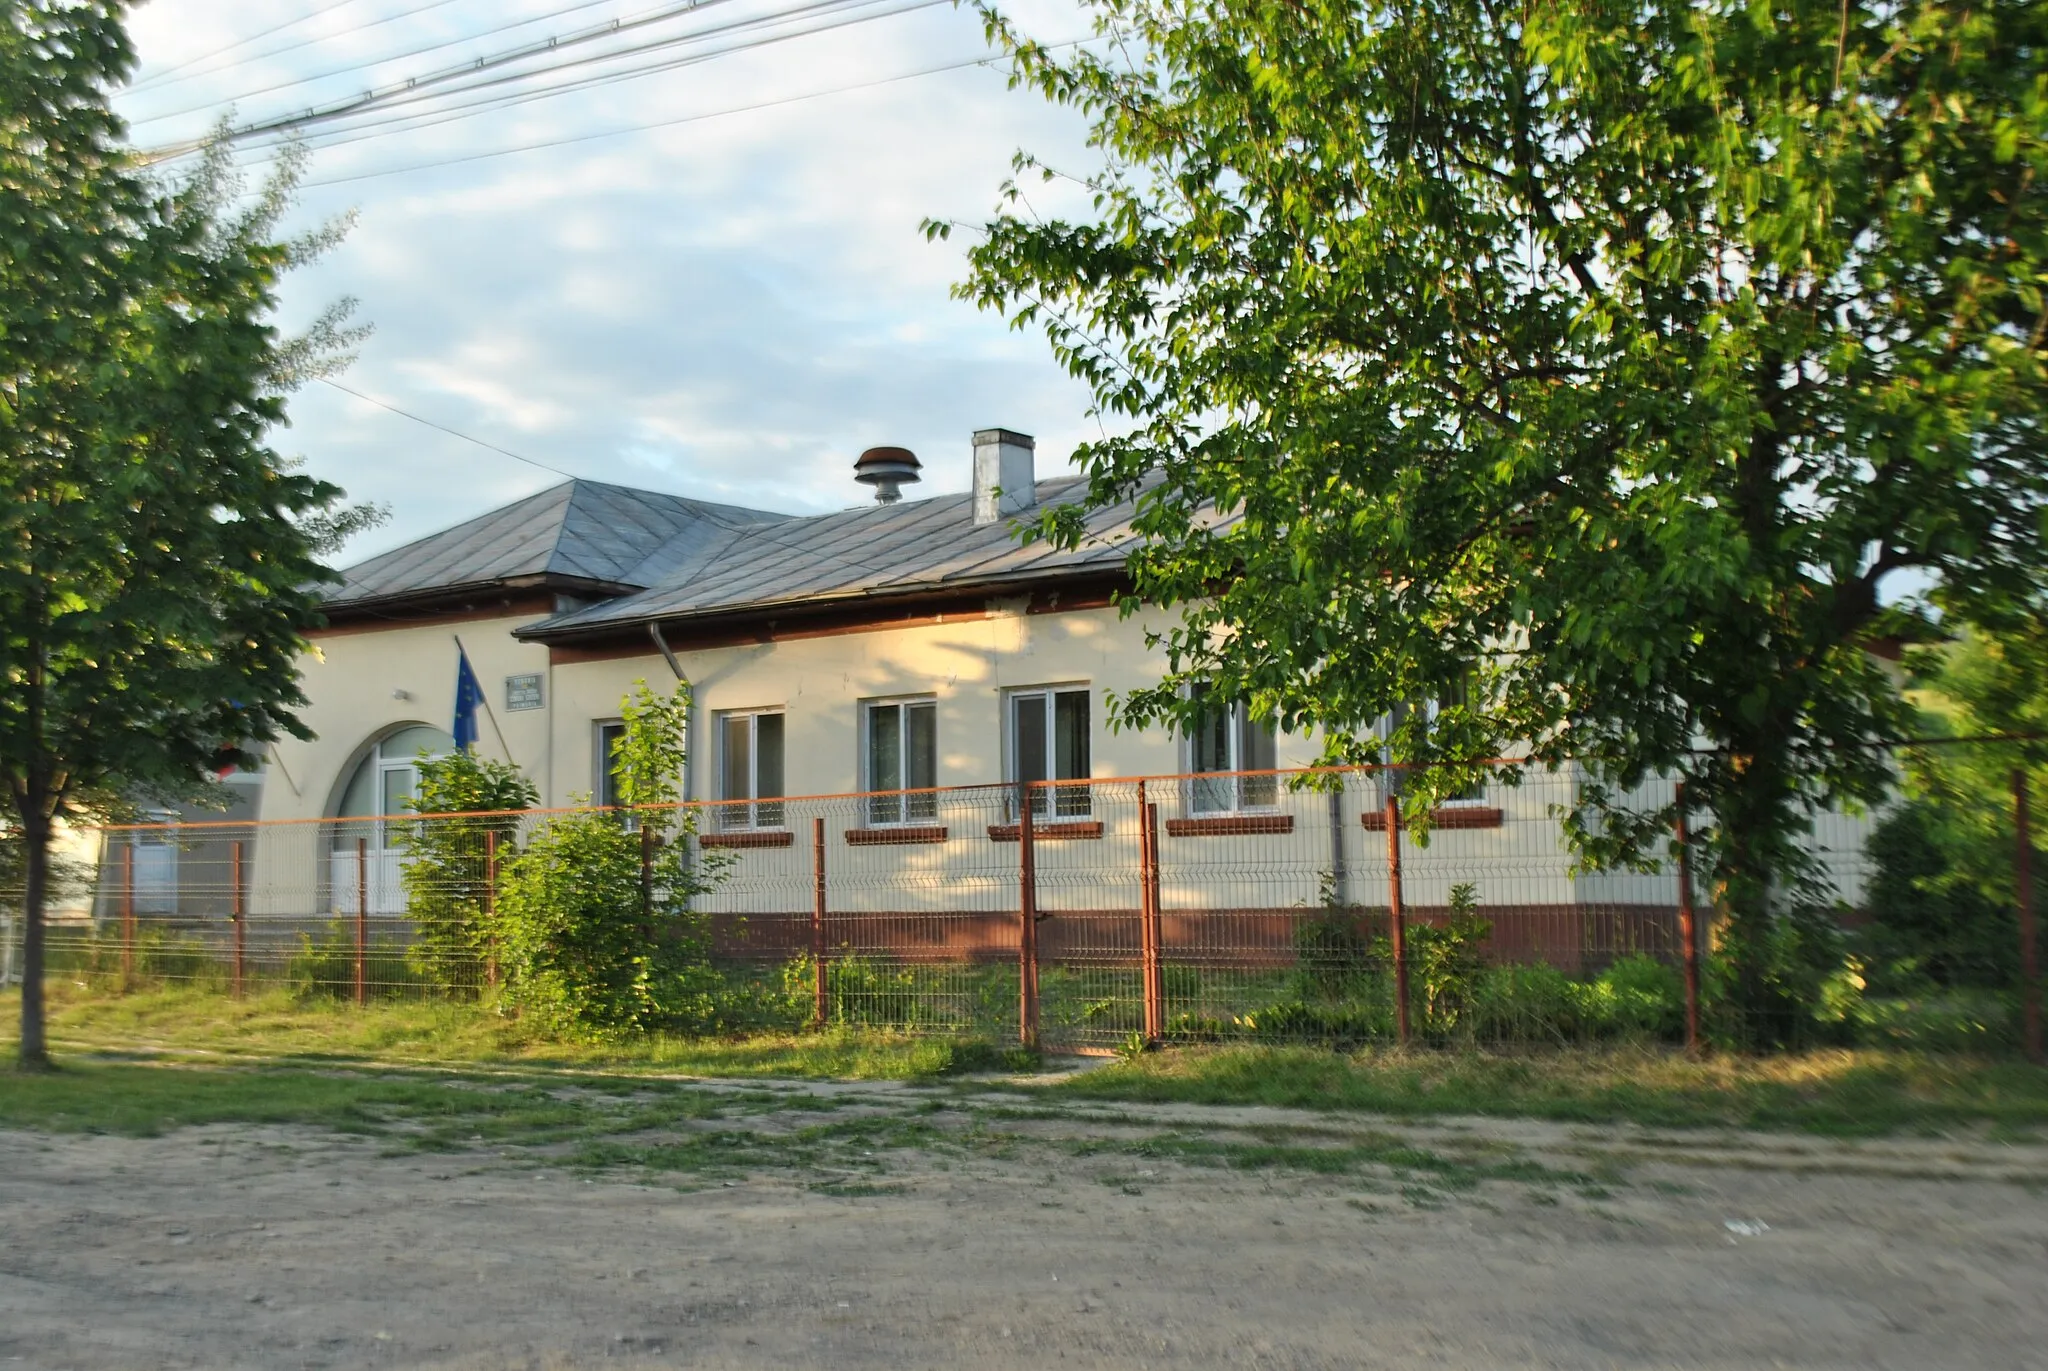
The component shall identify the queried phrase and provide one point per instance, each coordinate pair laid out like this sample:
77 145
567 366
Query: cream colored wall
965 663
349 680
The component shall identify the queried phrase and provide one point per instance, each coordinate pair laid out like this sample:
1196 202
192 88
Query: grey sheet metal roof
580 532
872 551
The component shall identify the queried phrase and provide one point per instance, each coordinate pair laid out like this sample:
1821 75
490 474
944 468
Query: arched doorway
365 835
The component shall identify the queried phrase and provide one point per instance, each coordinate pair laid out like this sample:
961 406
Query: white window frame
758 814
1068 801
1237 794
899 810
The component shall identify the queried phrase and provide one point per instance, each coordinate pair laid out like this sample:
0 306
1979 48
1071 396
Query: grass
1860 1092
277 1026
1854 1093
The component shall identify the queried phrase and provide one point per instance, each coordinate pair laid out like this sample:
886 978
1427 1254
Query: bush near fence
1178 910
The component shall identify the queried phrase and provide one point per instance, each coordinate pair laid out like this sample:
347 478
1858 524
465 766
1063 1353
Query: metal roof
585 532
874 550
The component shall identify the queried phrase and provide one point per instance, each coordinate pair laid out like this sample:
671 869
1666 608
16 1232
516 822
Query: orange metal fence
1285 906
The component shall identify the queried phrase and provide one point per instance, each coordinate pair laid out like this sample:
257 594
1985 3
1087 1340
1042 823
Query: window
750 768
383 782
381 785
610 733
1225 739
900 751
1049 742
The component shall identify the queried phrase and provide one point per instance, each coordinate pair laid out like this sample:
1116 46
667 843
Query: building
897 644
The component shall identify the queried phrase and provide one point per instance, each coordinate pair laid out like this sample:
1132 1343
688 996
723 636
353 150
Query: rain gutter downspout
690 720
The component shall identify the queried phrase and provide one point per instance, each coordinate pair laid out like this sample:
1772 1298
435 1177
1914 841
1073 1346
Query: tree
158 562
1943 896
594 920
1629 361
448 859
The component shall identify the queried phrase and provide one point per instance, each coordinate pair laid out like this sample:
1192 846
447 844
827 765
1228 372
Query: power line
661 123
375 120
407 122
419 87
453 433
353 66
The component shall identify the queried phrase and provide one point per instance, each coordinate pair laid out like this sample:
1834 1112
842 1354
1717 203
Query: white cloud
732 307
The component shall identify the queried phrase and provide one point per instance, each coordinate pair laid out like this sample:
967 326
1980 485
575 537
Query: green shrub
446 867
1963 1020
1525 1003
1637 997
159 955
589 943
587 950
1340 1025
1334 953
1808 982
1444 962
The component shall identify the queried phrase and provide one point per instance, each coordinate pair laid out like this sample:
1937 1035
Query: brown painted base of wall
1578 939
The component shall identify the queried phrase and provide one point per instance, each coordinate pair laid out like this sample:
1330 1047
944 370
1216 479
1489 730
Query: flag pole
483 697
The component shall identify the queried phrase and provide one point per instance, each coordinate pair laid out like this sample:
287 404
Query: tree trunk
1754 815
35 835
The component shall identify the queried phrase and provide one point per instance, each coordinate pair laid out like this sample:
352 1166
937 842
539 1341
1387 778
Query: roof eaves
617 617
581 585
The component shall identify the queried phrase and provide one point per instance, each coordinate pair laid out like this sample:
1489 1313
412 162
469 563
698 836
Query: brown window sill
1053 832
1229 825
1450 816
879 837
748 837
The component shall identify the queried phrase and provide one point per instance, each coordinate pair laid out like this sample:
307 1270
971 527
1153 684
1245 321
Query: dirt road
956 1230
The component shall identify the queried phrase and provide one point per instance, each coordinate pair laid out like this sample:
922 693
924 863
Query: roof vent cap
886 469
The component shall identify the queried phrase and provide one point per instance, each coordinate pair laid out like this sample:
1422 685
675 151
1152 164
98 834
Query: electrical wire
750 529
406 122
451 432
667 123
353 66
422 87
657 124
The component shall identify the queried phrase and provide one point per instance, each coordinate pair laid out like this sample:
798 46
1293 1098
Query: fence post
362 918
1397 922
490 907
237 913
1688 927
1152 939
128 915
2023 870
1027 940
820 990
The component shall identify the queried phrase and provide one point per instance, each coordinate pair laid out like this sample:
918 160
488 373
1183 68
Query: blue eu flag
468 695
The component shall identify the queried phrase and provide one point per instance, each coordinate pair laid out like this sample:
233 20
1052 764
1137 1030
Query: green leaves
1639 355
159 563
593 923
451 859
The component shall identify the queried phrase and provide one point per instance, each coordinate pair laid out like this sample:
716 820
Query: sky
731 306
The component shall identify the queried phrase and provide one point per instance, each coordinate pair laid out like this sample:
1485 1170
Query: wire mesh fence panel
1282 907
1088 874
922 915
